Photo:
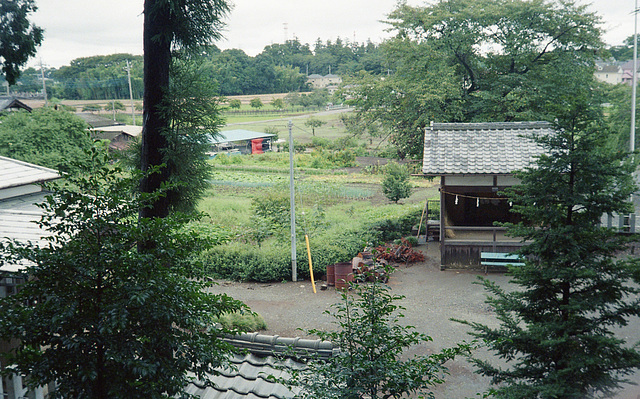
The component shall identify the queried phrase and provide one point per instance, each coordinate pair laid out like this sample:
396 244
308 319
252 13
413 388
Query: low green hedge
272 262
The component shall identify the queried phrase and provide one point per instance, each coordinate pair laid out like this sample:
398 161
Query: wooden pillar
442 226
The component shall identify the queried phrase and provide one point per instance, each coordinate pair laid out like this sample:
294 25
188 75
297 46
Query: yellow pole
426 206
313 282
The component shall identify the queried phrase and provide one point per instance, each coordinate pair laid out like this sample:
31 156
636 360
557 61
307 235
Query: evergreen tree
194 113
556 329
187 25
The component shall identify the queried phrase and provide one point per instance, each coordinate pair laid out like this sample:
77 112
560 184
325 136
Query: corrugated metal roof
481 148
95 120
131 130
15 173
239 135
21 226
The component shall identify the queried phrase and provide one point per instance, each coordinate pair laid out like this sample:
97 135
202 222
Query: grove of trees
279 68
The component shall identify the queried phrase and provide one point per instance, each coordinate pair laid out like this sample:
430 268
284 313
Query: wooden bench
499 259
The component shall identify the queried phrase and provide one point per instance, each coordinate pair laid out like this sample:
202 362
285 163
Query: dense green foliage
18 36
44 137
194 113
372 361
101 318
557 327
395 184
476 60
623 52
192 107
96 78
280 68
618 112
244 261
242 321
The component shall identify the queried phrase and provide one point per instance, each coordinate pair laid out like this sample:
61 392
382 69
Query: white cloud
81 28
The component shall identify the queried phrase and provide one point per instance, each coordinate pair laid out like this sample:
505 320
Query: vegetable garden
248 208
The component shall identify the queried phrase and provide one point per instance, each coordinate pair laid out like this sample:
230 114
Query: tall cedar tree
557 328
100 318
18 37
192 108
168 25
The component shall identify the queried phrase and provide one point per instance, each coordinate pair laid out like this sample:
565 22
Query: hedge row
245 262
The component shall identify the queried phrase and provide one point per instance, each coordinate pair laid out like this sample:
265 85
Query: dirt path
433 297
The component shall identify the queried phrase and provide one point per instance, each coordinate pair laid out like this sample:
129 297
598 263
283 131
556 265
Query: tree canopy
18 36
477 60
46 137
279 68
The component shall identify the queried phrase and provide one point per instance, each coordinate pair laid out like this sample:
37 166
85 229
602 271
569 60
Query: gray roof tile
480 148
248 379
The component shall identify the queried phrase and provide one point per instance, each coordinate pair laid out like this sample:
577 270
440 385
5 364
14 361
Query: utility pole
634 84
294 266
133 110
286 33
44 86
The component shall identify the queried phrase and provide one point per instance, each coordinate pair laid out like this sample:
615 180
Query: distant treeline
279 68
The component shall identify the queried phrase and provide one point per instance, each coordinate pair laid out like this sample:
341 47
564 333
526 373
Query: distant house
627 72
20 190
329 82
609 73
119 136
475 162
242 141
12 104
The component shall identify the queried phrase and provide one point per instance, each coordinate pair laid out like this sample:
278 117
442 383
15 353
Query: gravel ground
433 297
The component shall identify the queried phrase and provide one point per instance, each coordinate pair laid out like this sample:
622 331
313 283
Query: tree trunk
157 59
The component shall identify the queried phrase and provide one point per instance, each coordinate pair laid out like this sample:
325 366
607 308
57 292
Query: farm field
249 200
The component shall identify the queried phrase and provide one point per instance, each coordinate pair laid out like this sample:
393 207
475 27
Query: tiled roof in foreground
480 148
248 379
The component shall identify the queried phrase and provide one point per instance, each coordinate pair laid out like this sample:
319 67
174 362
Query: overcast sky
82 28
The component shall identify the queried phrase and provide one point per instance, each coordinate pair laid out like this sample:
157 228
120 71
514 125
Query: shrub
272 261
235 103
375 358
395 184
242 321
